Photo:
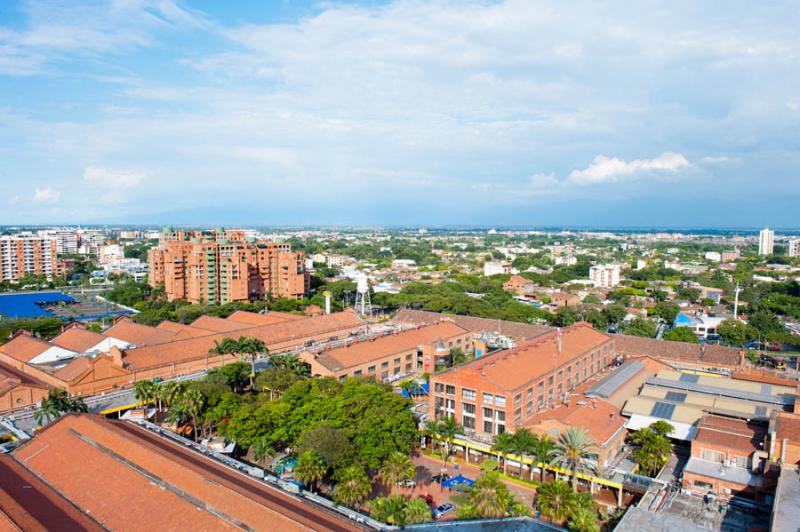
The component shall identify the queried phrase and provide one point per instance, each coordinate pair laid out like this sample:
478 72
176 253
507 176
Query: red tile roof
363 352
134 333
74 369
512 368
212 323
10 378
788 426
512 329
24 347
194 348
269 318
77 339
129 479
715 432
600 419
27 503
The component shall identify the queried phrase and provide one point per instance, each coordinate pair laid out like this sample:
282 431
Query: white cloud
14 200
114 179
543 181
46 195
610 169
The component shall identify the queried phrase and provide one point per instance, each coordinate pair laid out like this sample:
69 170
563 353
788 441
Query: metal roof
611 383
784 400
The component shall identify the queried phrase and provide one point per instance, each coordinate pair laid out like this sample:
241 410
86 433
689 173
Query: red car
428 498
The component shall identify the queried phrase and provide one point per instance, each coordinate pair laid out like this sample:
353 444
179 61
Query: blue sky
518 112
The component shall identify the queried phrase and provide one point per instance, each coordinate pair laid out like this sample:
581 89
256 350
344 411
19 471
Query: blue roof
27 305
460 480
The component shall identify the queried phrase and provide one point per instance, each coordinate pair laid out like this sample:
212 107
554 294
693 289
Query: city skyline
399 114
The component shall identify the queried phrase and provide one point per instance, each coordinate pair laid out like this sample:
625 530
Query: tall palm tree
555 500
353 486
390 510
522 444
56 403
226 346
170 392
416 511
490 497
504 444
310 468
446 429
397 468
193 401
292 363
144 391
262 449
576 452
249 347
583 520
542 453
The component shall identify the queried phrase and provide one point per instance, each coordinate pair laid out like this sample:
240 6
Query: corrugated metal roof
681 384
611 383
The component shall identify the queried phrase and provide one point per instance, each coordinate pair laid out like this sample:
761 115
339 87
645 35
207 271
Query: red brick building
222 266
503 391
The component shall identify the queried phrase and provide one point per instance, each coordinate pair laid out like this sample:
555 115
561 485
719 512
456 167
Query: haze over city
508 112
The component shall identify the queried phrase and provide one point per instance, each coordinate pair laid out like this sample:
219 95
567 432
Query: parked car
440 478
443 509
411 483
428 498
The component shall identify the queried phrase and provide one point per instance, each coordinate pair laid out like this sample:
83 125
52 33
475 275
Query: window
529 407
468 422
518 399
550 381
500 401
384 365
501 415
357 373
530 393
703 485
408 357
437 387
711 456
384 374
488 426
342 377
468 409
408 368
518 415
450 389
466 393
397 361
488 399
540 388
371 369
488 413
739 461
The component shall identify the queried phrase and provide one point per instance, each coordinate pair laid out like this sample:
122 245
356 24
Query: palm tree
555 500
522 444
353 486
390 510
262 449
170 392
577 453
446 429
292 363
56 403
396 468
416 511
250 347
192 402
310 468
490 497
583 520
542 453
226 346
144 391
504 444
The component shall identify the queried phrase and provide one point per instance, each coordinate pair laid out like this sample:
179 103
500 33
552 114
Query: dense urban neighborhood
401 378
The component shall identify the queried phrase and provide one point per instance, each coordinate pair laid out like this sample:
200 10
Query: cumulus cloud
543 181
46 195
611 169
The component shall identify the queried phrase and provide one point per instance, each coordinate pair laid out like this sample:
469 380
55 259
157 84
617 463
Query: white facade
494 268
111 254
566 260
604 275
793 248
66 239
334 261
766 241
714 256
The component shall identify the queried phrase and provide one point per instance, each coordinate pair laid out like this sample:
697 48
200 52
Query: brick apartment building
27 255
519 285
408 352
505 390
223 266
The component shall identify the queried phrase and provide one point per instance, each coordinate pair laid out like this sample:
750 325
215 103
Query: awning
683 431
457 482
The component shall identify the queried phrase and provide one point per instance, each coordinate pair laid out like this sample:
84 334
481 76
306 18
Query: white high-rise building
793 248
766 241
604 275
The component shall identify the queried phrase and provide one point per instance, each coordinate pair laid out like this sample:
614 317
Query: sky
515 112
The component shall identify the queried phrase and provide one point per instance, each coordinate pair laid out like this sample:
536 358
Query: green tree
765 322
503 445
353 486
667 311
262 449
615 313
583 520
576 452
331 443
735 332
591 299
653 447
249 348
275 380
446 429
145 391
490 497
310 469
682 334
523 443
398 467
416 511
555 500
641 327
390 510
543 453
57 403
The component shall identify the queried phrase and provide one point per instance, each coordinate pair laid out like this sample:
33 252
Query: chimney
116 356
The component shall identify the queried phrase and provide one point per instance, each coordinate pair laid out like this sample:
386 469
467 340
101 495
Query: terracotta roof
193 348
27 503
134 333
599 418
363 352
24 347
74 369
77 339
253 318
763 376
129 479
711 355
512 329
511 368
10 378
788 426
718 432
183 330
211 323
